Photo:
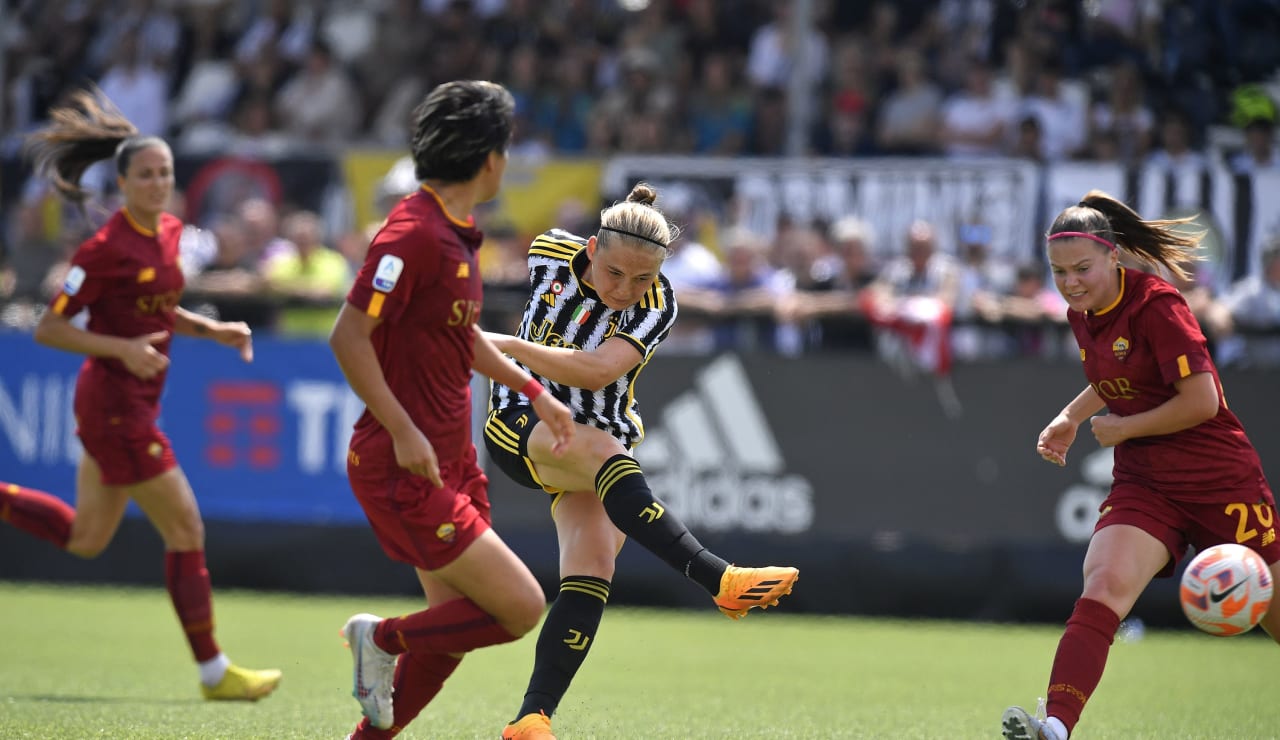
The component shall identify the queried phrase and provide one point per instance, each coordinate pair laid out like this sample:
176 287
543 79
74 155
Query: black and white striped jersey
565 311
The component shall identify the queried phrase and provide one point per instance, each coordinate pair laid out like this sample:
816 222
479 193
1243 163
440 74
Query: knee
524 612
1110 587
185 535
603 447
88 545
596 560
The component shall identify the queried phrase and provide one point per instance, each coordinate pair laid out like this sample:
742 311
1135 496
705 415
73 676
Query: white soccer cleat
1019 724
374 672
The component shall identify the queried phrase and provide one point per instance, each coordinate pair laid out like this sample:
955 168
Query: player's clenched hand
141 358
236 334
416 455
1056 439
558 418
1108 429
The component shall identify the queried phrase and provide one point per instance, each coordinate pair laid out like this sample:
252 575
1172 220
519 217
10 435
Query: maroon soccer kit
422 278
130 280
1201 485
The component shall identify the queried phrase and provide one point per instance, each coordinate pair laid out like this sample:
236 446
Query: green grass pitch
81 662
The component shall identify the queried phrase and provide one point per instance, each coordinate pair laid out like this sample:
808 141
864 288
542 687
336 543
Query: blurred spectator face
261 223
1258 138
920 244
854 254
1175 134
742 262
303 229
233 244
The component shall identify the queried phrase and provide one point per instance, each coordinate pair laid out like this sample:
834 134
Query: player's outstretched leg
744 588
633 509
374 670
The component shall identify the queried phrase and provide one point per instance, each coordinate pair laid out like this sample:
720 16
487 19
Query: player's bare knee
88 545
184 536
524 612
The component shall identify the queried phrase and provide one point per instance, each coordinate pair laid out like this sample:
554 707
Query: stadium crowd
1139 82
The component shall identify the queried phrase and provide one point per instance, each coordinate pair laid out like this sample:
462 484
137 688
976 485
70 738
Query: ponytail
86 130
1156 242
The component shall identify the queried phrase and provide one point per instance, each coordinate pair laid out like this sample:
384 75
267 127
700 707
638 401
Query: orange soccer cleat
529 727
744 588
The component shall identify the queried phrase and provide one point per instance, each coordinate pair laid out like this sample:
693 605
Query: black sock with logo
632 508
566 636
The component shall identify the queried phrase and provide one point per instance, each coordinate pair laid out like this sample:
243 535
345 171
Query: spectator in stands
773 52
137 87
909 117
1061 109
311 280
1254 303
974 121
1175 154
1124 114
231 287
719 109
913 301
740 305
1259 152
319 104
981 283
127 276
261 222
1032 311
830 309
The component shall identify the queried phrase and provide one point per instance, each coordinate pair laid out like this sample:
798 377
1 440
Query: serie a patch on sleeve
74 280
388 273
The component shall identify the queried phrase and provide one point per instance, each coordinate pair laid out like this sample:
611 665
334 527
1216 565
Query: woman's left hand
235 334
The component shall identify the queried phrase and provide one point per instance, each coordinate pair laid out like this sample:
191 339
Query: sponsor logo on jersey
388 273
75 279
464 270
148 274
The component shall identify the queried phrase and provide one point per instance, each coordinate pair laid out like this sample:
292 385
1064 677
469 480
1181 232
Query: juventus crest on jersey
565 311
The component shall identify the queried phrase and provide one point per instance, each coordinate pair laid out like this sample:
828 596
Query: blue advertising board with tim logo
264 441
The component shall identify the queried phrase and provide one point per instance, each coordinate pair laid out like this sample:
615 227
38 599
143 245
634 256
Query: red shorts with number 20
415 522
1179 523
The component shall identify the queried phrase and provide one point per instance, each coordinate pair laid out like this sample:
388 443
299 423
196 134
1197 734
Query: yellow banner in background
534 194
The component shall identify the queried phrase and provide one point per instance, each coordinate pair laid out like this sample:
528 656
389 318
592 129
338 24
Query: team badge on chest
1120 347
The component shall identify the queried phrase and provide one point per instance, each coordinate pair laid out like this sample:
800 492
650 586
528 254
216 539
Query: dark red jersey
130 280
422 278
1133 353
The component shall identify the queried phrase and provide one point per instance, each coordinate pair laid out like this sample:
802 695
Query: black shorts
506 437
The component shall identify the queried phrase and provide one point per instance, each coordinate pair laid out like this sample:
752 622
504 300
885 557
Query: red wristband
532 389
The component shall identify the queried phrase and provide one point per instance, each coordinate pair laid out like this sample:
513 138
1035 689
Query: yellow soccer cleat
744 588
243 684
529 727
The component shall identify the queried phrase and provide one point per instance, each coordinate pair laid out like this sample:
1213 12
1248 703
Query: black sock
632 508
563 642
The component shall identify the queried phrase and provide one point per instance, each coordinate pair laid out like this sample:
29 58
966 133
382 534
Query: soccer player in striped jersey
599 307
407 341
1185 473
128 277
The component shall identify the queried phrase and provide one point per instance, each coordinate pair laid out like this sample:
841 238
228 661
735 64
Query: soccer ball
1226 590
